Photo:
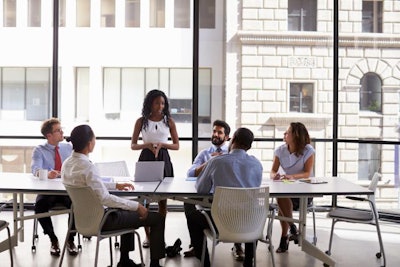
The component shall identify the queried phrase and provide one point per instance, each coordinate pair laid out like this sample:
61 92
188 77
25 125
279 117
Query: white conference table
19 184
182 189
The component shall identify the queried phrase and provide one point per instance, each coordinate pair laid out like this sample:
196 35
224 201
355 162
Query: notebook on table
149 171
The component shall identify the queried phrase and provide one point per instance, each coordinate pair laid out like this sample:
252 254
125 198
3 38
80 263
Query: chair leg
64 248
10 246
140 248
378 230
314 228
111 254
331 237
35 235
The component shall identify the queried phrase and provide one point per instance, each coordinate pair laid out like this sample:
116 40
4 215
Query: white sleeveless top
156 132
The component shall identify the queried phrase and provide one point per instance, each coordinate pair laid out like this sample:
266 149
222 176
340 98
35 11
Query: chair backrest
240 213
374 181
87 209
113 168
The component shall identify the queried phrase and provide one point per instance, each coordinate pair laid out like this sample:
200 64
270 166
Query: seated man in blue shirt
236 169
219 140
49 156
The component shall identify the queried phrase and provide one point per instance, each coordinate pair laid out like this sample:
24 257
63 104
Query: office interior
331 64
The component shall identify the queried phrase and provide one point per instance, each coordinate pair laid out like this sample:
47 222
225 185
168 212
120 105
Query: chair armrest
106 213
209 221
357 198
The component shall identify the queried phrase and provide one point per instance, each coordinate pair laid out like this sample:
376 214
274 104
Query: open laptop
149 171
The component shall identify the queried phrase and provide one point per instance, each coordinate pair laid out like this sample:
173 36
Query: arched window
371 92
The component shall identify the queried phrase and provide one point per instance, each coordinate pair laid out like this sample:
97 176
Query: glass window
371 92
182 14
34 13
132 13
369 160
157 13
83 13
9 13
301 97
107 13
302 15
372 16
207 14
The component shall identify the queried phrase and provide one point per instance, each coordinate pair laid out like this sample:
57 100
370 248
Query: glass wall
261 65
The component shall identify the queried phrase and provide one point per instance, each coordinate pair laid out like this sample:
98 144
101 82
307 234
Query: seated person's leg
196 224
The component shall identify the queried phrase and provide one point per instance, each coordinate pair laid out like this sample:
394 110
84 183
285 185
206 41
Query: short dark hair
80 136
220 123
47 126
243 138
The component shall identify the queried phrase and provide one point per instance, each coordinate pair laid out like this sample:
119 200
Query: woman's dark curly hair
301 136
148 102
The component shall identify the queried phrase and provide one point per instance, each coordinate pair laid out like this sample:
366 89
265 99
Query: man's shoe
72 250
189 253
128 263
55 248
238 252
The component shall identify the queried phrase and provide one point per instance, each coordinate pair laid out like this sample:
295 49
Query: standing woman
296 159
156 125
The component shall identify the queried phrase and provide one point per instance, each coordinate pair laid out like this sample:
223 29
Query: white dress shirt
79 171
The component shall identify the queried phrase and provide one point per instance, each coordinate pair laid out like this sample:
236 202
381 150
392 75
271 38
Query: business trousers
197 222
46 202
130 219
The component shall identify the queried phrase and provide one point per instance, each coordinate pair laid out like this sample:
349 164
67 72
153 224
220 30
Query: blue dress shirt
236 169
204 156
43 156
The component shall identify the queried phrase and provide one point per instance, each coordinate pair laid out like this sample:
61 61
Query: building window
301 97
132 13
62 13
25 93
207 14
107 13
371 92
157 13
34 13
182 14
9 13
83 13
302 15
372 16
369 160
82 93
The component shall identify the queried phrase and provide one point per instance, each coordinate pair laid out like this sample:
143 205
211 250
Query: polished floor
354 245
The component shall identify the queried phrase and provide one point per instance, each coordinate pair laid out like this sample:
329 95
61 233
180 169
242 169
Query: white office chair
90 216
365 216
56 210
239 215
4 225
113 168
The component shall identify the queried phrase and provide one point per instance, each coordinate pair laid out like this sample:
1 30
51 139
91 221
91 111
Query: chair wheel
33 248
116 245
79 247
326 265
378 255
328 252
